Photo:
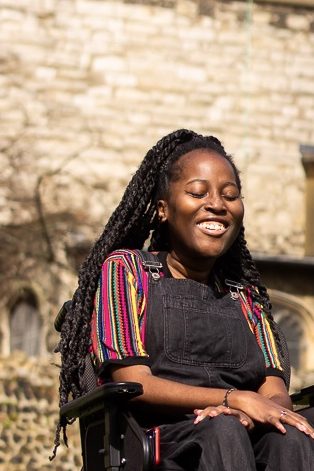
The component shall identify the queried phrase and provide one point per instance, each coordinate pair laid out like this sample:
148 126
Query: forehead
204 163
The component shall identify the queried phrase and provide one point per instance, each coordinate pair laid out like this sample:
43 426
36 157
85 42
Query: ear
162 210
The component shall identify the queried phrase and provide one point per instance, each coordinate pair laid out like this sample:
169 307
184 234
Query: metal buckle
153 269
234 288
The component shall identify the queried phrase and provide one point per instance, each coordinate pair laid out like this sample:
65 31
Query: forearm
161 392
274 388
282 399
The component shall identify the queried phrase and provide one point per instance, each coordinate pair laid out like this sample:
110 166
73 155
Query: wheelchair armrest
61 315
96 400
304 397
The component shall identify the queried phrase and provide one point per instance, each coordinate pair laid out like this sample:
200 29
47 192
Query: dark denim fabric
199 338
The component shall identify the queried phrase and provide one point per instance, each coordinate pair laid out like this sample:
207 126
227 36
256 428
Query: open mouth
213 227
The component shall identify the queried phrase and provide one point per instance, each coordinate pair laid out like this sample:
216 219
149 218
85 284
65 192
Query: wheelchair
111 438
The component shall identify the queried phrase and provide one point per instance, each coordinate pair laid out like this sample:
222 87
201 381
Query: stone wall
86 88
28 414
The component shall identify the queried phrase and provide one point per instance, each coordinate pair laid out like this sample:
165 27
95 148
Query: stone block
187 8
298 22
45 73
109 63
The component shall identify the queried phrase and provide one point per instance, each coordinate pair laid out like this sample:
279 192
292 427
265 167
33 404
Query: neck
181 267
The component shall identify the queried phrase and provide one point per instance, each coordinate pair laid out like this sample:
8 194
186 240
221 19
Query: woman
199 336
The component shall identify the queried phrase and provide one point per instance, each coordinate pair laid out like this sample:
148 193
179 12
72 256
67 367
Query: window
294 320
25 324
293 329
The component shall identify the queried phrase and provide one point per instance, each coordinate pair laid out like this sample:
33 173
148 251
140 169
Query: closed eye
197 195
232 197
226 197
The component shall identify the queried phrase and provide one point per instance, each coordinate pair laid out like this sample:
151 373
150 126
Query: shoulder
127 257
127 261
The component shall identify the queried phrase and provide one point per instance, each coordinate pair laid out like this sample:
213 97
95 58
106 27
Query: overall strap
151 264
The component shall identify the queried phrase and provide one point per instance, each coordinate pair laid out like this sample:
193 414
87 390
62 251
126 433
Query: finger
218 411
199 418
201 414
277 423
250 425
299 422
305 428
209 412
247 425
246 421
280 427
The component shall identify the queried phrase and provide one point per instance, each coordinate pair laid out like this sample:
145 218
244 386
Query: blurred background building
87 87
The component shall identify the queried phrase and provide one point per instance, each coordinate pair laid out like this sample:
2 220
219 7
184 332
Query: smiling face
203 207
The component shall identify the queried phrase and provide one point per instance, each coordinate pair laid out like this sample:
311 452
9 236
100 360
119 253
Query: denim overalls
198 337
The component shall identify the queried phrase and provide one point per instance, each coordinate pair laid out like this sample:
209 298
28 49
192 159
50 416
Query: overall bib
199 337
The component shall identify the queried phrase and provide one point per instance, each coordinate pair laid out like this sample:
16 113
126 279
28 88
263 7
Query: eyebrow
200 180
197 180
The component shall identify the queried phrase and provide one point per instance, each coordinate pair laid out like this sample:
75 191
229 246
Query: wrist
225 401
238 399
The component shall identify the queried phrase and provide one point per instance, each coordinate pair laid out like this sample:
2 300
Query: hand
266 411
212 411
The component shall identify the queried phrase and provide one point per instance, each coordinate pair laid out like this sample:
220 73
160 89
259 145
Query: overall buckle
153 269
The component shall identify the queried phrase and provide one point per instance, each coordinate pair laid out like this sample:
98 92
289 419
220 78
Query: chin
213 250
208 254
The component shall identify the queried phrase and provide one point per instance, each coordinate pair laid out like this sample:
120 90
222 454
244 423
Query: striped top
119 316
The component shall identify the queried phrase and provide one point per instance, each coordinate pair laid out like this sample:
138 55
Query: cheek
239 212
180 210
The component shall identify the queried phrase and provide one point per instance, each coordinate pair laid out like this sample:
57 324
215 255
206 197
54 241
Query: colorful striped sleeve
260 326
119 317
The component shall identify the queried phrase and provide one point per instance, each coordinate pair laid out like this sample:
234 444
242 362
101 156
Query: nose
215 203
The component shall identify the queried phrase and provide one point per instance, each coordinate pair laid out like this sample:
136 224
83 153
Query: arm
168 394
177 397
274 388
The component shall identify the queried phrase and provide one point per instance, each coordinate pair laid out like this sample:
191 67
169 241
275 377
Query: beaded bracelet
225 401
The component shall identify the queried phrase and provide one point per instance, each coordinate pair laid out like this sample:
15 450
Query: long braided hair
131 224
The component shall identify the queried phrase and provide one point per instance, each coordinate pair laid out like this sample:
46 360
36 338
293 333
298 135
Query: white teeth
212 226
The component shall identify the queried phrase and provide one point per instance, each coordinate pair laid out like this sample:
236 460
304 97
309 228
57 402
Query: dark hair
131 224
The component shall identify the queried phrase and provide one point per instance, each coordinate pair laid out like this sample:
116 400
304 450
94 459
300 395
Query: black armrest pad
61 315
305 396
100 397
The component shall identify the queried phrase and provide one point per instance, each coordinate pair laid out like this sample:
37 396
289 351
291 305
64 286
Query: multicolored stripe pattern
119 317
118 322
259 325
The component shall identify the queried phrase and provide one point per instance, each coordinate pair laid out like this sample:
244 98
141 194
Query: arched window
293 329
291 317
25 324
